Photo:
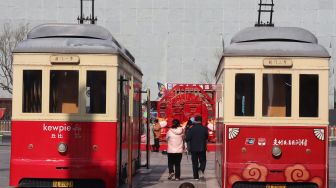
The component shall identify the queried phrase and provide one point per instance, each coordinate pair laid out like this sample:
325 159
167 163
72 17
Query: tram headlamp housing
62 147
276 151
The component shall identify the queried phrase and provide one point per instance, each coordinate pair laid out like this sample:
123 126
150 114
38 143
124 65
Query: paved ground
4 161
4 165
156 177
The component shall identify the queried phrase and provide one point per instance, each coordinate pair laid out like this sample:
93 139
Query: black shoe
171 175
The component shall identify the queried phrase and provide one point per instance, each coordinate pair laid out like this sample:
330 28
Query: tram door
123 128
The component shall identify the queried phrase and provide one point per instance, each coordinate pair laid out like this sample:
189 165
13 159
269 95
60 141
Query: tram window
309 95
277 95
96 92
32 91
63 96
244 95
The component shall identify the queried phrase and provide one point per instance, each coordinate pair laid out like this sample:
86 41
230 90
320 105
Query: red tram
76 109
272 124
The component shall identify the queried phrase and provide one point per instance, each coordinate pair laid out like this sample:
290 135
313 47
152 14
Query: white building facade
179 41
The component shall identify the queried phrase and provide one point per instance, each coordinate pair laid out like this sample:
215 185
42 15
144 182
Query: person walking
157 133
186 130
151 134
175 149
197 136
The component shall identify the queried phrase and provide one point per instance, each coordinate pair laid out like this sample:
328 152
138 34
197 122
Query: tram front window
63 96
96 92
32 91
277 95
309 95
244 95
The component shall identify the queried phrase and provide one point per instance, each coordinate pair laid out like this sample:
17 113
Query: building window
63 91
277 95
32 91
309 95
244 95
96 92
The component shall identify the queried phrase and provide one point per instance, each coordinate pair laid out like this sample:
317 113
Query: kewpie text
57 128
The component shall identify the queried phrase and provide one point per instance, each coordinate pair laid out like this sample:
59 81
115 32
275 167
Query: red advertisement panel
89 145
276 154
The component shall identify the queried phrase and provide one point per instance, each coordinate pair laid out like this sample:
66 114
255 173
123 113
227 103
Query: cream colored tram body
76 109
272 104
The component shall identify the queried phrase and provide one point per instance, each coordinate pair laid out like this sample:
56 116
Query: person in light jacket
175 149
151 133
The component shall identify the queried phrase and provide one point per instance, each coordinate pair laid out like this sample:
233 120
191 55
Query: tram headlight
276 151
62 147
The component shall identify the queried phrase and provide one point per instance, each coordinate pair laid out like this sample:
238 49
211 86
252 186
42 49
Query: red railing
332 133
5 126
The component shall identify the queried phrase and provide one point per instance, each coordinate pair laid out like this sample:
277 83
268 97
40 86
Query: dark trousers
198 162
174 160
156 144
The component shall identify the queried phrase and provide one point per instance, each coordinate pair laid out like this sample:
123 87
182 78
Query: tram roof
72 38
275 41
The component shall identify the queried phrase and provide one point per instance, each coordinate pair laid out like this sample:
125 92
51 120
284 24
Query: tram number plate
62 183
276 186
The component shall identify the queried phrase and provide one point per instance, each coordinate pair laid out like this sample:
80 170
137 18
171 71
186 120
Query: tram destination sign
64 59
278 62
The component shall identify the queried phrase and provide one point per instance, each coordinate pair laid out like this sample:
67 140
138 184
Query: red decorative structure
184 101
2 112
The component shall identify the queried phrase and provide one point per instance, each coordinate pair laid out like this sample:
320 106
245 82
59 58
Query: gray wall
178 40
